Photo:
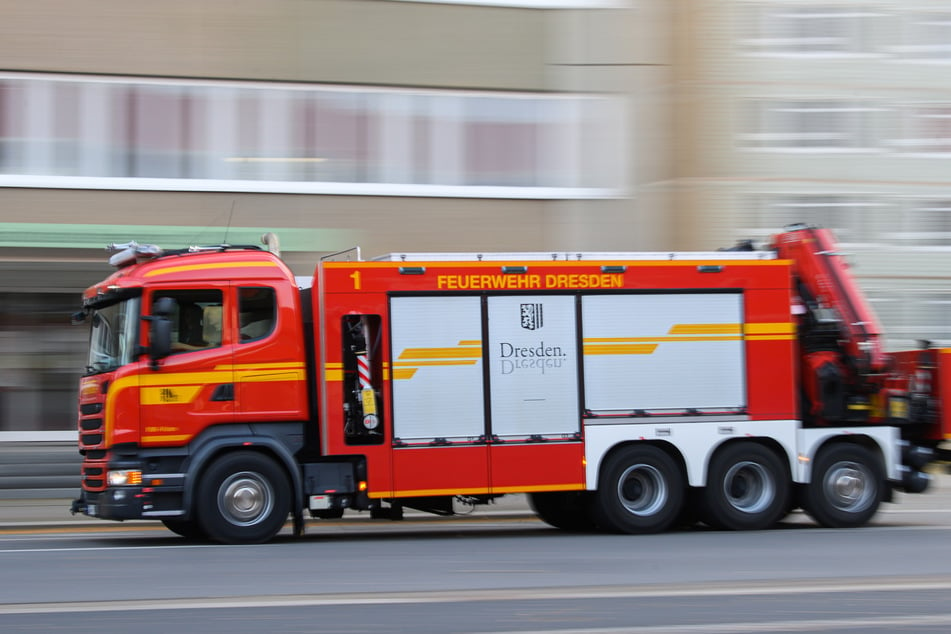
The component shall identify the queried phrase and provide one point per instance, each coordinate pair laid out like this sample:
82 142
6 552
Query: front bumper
130 503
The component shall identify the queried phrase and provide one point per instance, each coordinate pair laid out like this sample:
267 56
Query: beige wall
351 41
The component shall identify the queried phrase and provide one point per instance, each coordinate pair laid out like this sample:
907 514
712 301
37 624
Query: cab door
269 372
192 388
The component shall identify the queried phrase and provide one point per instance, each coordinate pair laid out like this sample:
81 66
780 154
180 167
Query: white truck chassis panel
698 439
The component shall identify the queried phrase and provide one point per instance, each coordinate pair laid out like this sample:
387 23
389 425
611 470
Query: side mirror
164 307
160 339
160 330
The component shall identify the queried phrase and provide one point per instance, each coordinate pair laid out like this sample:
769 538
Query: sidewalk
39 512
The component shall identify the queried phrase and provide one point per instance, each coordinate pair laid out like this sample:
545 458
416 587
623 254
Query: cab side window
196 320
257 312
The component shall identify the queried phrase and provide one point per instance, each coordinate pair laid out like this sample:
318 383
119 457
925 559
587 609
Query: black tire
846 488
567 510
748 488
641 490
189 529
243 498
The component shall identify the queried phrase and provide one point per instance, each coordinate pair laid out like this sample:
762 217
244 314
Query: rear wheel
567 510
846 488
641 490
243 498
748 488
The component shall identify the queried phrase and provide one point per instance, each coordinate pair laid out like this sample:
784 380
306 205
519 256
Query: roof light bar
128 252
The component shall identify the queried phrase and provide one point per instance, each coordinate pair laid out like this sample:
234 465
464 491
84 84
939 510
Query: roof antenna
230 216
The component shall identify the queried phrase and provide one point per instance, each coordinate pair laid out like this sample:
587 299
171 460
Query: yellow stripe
412 493
567 267
770 337
422 363
661 339
204 267
440 353
475 491
185 378
634 348
704 329
166 438
470 342
333 375
400 374
782 327
287 365
537 488
256 376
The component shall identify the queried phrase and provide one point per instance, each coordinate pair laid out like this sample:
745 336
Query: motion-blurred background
518 125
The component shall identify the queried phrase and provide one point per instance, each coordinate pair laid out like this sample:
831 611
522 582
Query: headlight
124 477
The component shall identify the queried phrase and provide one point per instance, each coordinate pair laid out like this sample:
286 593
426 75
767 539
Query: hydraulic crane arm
831 296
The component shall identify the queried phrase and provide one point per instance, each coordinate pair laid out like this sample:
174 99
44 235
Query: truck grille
93 477
91 440
90 431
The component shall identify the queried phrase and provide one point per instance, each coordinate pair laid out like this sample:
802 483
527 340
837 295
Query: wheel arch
669 448
208 452
862 440
766 442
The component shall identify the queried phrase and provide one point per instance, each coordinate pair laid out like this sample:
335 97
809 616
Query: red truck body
615 390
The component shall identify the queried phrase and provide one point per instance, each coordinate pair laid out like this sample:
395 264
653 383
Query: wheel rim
245 498
642 490
749 487
848 486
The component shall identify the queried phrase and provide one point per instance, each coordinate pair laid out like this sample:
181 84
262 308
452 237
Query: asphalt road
498 574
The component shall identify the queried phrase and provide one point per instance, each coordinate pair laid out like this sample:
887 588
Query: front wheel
243 498
641 490
846 487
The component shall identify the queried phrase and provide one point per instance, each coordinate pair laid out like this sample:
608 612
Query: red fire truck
625 392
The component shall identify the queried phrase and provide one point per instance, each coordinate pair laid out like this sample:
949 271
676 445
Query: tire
189 529
567 510
243 498
748 488
641 490
846 488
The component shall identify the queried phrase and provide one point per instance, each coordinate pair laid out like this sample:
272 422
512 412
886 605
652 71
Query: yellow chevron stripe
424 363
634 348
704 329
440 353
661 339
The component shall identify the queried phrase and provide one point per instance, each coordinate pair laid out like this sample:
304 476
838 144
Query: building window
853 219
788 30
808 125
927 130
925 223
65 131
926 38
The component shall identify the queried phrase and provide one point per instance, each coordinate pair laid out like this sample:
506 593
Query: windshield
114 336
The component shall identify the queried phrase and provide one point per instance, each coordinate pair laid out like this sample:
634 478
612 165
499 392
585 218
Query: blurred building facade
518 125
